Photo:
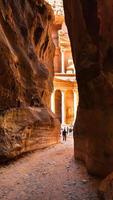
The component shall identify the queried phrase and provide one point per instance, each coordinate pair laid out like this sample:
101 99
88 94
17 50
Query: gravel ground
50 174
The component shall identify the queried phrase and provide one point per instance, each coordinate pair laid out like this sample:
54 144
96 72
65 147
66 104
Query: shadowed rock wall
26 77
90 28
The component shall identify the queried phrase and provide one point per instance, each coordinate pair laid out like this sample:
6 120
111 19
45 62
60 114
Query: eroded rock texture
106 188
26 75
90 25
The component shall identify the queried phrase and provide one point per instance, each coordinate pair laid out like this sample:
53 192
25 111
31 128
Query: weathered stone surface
106 188
90 28
26 75
27 129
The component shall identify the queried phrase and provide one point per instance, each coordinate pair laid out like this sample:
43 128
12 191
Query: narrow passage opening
64 99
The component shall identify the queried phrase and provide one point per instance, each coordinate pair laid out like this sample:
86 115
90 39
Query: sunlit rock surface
26 77
90 28
27 129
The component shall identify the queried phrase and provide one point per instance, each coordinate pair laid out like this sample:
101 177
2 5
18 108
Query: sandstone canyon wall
90 26
26 76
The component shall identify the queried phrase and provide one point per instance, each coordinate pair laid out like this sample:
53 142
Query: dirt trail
51 174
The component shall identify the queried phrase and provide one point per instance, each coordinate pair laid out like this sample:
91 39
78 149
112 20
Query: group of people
65 132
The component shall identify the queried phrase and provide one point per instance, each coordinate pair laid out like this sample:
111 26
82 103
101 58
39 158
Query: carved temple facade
64 98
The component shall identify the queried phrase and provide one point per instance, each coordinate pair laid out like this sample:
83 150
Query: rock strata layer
26 77
27 129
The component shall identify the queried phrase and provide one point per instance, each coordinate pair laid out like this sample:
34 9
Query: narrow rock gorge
90 26
26 81
26 77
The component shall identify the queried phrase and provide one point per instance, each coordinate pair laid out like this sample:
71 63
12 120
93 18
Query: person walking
64 134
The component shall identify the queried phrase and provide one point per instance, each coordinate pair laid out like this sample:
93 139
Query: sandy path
51 174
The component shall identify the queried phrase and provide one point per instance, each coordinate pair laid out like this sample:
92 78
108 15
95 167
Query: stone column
57 60
53 102
63 107
75 102
63 64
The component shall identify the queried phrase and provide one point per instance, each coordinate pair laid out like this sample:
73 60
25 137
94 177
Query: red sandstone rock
106 188
26 76
27 129
90 28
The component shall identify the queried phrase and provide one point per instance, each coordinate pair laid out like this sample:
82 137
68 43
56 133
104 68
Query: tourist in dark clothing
64 134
